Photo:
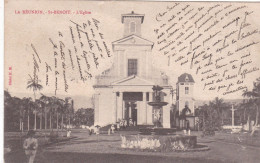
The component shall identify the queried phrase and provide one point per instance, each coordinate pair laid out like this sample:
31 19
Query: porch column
144 108
115 108
150 110
123 114
120 106
130 110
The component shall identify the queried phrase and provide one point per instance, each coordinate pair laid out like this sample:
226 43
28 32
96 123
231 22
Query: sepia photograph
131 82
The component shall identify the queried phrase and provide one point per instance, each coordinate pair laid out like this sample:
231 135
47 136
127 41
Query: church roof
130 37
133 80
132 40
185 78
132 14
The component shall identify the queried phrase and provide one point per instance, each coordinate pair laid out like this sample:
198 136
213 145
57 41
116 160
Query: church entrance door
131 112
131 99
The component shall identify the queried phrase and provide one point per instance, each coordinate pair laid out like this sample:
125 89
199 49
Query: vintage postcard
131 81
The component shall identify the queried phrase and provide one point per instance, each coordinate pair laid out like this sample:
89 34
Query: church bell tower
132 23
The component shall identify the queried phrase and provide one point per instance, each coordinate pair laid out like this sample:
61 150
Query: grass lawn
106 148
238 138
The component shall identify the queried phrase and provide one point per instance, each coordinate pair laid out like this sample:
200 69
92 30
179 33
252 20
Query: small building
185 99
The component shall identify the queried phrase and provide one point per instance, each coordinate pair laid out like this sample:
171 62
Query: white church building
123 91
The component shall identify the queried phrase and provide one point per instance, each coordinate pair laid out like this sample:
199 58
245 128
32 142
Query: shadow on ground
69 157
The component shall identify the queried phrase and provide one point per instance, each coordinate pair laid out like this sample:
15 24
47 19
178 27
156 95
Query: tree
62 109
254 98
12 112
67 109
34 84
7 98
71 110
208 119
58 105
202 110
219 105
84 116
40 105
28 105
47 107
16 104
246 111
89 116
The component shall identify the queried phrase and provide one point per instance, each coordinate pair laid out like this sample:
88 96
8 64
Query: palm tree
57 105
254 98
219 105
28 104
16 104
40 105
71 110
51 109
66 110
202 114
246 109
47 107
62 110
34 84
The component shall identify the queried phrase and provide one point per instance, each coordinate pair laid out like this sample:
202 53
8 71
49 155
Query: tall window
187 103
186 90
132 67
132 27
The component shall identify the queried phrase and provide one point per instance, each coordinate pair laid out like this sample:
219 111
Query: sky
23 30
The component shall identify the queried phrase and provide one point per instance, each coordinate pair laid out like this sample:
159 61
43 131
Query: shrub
54 136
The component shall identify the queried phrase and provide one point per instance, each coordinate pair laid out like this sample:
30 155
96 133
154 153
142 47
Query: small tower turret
132 22
184 95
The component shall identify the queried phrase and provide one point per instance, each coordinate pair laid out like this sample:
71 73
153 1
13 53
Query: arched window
132 27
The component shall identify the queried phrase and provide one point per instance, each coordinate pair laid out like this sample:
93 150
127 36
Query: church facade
123 91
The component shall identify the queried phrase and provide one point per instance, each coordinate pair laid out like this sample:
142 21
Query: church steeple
132 22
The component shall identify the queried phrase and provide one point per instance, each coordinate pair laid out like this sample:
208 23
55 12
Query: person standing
118 126
68 133
113 128
30 146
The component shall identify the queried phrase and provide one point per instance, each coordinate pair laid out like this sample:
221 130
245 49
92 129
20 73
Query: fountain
158 138
157 105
